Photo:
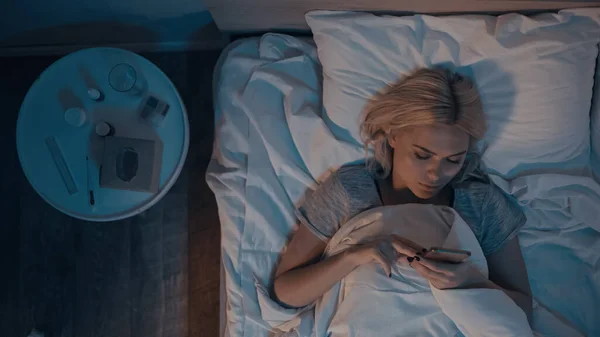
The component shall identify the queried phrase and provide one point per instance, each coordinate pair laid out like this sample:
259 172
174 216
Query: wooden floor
156 274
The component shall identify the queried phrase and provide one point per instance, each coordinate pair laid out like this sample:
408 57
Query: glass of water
123 78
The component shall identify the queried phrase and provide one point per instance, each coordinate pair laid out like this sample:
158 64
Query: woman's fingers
411 244
402 248
437 279
439 267
402 259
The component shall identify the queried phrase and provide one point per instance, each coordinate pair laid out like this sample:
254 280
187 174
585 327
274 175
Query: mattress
274 141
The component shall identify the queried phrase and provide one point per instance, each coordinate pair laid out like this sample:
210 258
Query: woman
423 131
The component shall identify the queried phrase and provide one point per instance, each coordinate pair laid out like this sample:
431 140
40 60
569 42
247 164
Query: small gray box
131 164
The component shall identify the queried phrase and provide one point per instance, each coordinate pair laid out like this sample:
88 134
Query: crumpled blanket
369 303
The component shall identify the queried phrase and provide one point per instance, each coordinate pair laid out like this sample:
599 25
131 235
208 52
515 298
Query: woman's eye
453 161
420 157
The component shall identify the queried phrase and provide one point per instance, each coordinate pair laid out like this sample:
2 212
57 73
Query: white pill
102 129
94 94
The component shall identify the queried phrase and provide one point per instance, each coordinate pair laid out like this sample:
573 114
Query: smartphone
447 254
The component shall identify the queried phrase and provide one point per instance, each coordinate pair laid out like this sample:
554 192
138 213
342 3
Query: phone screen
447 255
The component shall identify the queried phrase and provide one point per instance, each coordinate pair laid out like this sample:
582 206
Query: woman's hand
373 252
443 275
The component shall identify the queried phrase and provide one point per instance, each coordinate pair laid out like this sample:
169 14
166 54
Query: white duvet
273 141
369 303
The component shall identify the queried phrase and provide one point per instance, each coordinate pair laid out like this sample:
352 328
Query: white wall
42 23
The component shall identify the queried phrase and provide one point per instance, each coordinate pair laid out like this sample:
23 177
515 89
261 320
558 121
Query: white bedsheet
273 141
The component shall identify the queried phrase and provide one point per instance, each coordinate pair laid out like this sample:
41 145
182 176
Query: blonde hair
426 97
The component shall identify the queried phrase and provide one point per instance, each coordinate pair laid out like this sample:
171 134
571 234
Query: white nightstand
53 144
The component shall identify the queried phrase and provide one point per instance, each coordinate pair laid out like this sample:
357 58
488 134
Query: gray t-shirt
494 217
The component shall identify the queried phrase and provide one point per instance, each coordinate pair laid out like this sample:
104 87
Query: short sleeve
502 218
494 216
347 192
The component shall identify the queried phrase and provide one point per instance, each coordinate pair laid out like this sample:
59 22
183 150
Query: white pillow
535 76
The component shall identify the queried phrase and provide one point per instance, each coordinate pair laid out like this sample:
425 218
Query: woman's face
426 158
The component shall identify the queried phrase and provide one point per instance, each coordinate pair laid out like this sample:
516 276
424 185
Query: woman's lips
428 187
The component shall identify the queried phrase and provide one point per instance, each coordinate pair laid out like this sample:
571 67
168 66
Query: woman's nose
433 173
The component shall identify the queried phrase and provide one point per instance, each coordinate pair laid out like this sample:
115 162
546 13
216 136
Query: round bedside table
88 104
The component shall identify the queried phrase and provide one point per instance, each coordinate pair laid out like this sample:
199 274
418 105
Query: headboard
267 15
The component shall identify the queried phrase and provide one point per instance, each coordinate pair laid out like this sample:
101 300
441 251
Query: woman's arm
301 278
506 272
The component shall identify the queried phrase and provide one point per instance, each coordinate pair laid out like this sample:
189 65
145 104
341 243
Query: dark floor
156 274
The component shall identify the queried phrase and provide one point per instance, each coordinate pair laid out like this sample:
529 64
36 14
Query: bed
278 133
